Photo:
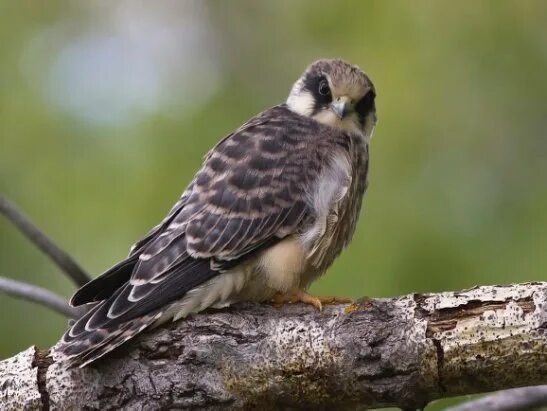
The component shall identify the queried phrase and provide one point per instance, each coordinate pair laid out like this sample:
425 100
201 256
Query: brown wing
251 191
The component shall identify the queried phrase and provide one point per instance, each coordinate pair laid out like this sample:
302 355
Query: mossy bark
401 352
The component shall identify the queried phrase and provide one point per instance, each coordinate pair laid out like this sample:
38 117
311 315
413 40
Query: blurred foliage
107 107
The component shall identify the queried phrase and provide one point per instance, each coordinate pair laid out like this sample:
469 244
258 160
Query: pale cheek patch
301 103
283 263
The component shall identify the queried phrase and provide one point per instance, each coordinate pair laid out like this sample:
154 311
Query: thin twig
516 399
38 295
43 242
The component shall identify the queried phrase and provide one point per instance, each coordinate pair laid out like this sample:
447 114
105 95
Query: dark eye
324 89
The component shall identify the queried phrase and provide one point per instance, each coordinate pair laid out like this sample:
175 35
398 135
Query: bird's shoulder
253 187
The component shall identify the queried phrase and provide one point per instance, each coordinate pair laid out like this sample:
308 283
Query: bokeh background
106 109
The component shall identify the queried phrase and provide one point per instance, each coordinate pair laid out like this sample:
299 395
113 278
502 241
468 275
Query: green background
107 107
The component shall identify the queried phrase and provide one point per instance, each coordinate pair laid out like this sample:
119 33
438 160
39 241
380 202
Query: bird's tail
129 309
81 345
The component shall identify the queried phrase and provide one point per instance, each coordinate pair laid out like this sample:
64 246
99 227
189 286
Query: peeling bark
403 352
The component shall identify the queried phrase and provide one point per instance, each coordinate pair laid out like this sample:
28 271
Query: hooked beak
341 107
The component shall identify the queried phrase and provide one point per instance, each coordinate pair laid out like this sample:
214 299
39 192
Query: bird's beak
341 106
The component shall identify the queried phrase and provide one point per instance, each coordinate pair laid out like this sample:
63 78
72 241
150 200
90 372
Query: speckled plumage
272 206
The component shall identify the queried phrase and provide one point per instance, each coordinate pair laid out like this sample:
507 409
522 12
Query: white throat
302 103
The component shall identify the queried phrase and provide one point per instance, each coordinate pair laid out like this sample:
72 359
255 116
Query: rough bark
403 352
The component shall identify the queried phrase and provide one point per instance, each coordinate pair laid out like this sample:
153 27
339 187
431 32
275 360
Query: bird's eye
324 89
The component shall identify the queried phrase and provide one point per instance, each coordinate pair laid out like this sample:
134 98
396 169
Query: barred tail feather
94 344
130 309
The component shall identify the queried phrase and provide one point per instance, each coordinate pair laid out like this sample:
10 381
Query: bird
273 205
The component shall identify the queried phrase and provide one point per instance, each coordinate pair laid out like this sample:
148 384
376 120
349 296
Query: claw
304 297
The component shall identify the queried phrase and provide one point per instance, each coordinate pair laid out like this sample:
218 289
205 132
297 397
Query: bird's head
337 94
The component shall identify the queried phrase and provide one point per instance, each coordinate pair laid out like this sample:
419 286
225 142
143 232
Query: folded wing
249 194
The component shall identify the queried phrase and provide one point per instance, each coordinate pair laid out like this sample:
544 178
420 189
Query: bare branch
402 352
43 242
516 399
38 295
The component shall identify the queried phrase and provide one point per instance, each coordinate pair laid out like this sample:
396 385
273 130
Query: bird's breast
336 202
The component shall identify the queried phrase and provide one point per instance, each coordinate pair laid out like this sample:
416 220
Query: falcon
272 206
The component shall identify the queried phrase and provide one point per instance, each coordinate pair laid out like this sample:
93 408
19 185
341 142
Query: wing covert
251 192
252 189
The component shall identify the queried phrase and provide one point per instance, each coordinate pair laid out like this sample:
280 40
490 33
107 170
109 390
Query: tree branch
402 352
43 242
516 399
38 295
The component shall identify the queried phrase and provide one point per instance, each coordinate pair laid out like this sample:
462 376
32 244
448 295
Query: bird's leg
301 296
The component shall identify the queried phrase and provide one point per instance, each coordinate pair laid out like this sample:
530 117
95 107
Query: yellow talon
303 297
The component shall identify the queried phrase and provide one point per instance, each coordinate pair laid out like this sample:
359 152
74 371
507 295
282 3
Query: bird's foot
303 297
